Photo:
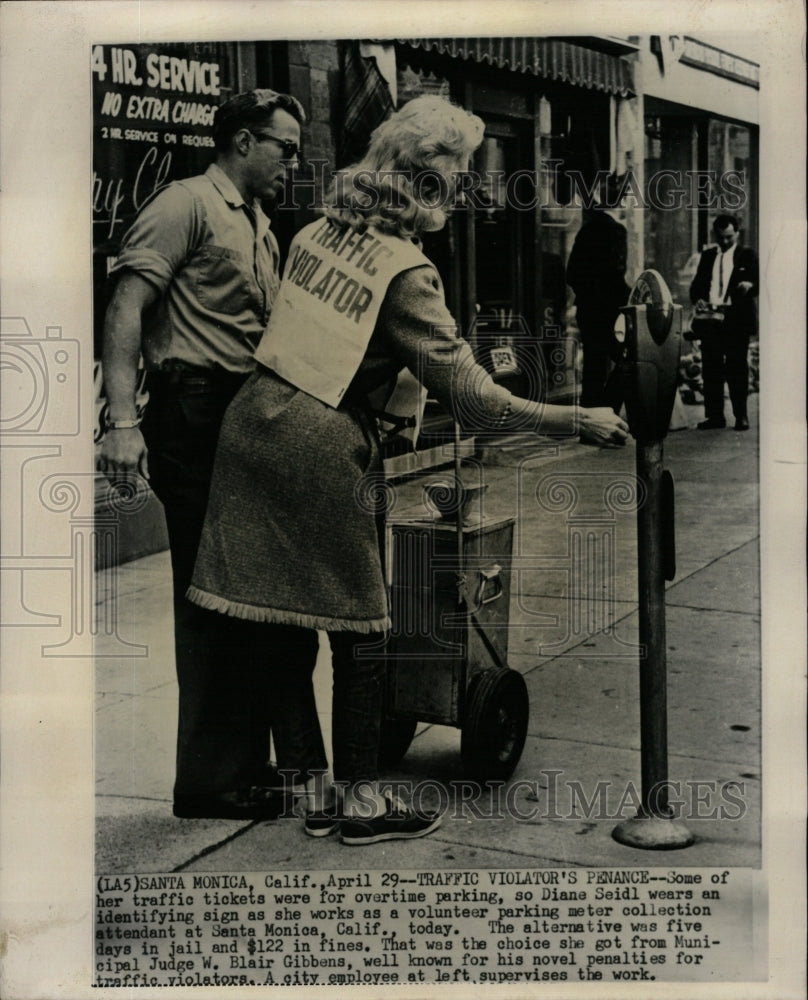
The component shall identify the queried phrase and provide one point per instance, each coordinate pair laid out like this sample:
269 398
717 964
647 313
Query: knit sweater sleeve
418 330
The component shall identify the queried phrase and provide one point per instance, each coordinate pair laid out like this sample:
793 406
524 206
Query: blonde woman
291 540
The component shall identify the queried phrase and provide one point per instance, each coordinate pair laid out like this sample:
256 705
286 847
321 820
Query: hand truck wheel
494 730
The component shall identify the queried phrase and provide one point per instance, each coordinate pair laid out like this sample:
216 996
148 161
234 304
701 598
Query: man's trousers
724 358
225 701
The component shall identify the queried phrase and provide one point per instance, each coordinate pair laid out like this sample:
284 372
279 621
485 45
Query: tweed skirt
293 534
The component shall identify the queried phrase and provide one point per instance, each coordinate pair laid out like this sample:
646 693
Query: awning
550 58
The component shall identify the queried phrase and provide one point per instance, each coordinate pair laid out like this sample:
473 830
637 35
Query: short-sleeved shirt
215 262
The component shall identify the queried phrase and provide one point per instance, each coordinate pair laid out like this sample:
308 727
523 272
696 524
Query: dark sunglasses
290 148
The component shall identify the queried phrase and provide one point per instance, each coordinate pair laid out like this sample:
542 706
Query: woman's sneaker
398 823
321 824
321 820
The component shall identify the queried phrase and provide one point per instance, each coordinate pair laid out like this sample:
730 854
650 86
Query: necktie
721 276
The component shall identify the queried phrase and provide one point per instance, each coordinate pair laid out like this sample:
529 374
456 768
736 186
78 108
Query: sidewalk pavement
572 635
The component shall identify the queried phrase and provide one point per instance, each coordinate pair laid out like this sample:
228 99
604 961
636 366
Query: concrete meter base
653 833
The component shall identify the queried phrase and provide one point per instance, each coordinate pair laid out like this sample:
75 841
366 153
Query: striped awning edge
549 58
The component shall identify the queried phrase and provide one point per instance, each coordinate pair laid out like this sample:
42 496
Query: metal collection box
447 654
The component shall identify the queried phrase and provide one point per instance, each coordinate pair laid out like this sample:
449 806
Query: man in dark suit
596 272
727 276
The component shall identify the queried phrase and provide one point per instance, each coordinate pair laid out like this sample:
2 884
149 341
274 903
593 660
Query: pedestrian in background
596 272
726 286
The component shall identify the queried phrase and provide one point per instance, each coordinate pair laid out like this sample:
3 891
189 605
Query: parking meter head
651 290
651 348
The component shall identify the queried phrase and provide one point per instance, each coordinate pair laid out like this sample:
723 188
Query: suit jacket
596 270
742 311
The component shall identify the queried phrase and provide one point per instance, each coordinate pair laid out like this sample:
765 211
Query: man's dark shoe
272 778
244 804
398 823
741 424
711 425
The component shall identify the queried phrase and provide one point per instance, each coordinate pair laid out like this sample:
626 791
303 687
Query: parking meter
649 368
652 342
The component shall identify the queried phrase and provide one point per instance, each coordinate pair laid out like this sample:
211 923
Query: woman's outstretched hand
602 426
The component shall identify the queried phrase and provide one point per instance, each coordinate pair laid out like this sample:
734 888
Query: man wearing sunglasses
195 282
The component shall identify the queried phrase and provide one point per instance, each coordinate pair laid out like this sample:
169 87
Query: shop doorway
500 300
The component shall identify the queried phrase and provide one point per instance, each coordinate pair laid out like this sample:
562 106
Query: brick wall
314 80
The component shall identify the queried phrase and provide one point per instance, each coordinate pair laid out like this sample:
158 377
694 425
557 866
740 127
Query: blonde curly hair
402 182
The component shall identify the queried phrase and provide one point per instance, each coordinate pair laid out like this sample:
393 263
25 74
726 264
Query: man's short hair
722 221
252 109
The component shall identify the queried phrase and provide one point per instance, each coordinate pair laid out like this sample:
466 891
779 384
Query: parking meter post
653 666
653 828
652 349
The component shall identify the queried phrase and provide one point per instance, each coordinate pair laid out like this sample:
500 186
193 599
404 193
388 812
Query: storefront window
729 156
494 229
153 109
560 214
714 162
671 226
